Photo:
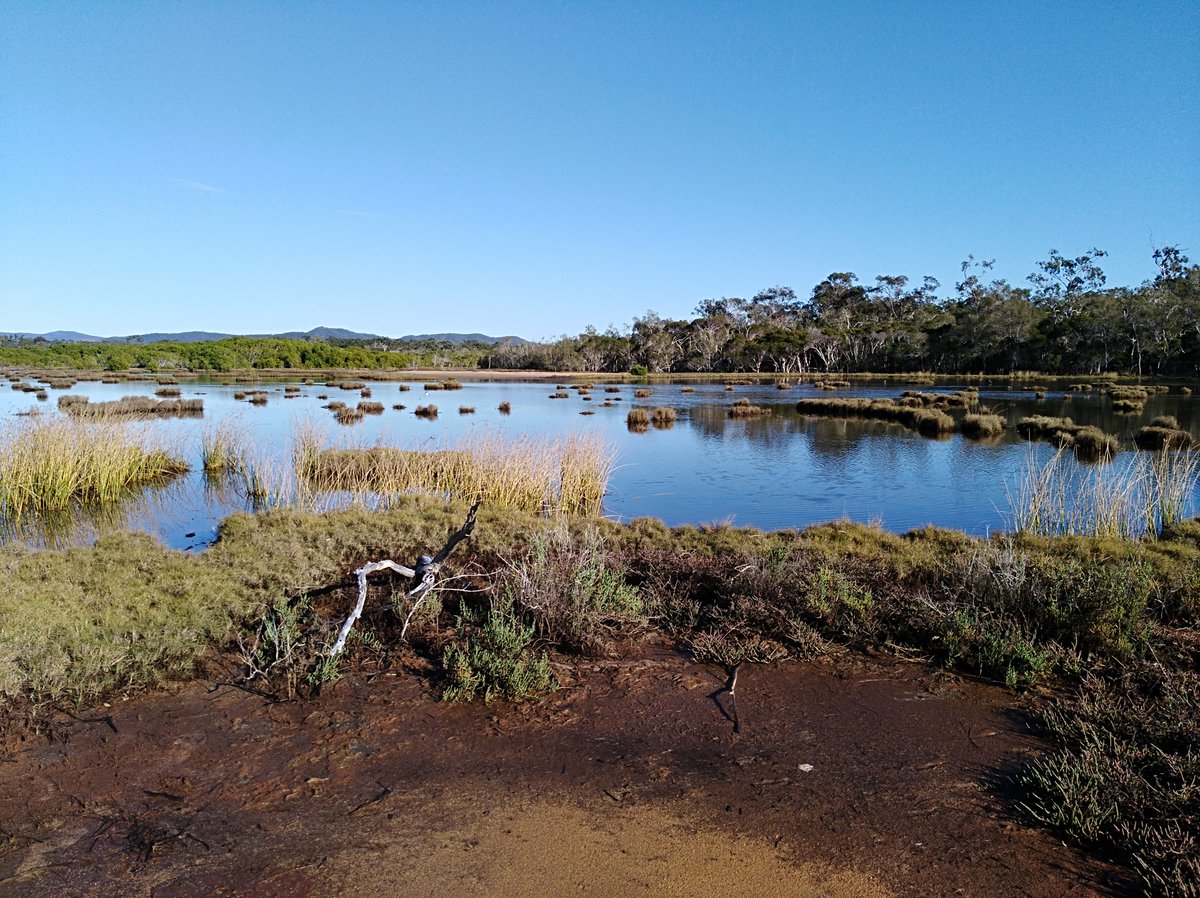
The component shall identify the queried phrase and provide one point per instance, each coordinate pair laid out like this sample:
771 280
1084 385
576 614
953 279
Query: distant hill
320 333
466 338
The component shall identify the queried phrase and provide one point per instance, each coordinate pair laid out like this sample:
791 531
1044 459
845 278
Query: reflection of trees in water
772 432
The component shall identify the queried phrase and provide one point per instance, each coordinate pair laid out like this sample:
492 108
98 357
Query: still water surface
785 471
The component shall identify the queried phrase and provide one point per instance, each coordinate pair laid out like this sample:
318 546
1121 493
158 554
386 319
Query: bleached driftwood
425 573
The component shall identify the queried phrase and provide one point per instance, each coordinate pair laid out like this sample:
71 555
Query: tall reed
52 465
567 475
1138 497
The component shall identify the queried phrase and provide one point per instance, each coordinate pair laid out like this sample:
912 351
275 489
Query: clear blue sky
532 168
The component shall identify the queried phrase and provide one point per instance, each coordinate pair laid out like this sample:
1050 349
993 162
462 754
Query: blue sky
533 168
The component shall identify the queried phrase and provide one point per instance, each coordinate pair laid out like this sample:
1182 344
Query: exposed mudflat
847 778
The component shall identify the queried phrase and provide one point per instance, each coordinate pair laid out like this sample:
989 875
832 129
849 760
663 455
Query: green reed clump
982 426
222 448
51 465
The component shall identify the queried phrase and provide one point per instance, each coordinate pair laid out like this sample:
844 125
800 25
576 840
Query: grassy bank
1096 623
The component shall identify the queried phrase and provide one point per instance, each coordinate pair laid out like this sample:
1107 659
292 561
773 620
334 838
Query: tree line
1065 322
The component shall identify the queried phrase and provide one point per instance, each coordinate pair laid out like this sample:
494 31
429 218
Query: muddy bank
847 778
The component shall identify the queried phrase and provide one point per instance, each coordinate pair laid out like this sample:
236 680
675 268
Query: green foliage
1125 778
496 659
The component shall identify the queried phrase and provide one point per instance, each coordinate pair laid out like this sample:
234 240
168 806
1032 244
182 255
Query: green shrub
495 660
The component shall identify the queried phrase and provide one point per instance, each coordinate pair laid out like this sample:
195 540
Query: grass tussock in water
1088 443
49 466
1163 432
915 416
981 427
131 407
568 475
744 409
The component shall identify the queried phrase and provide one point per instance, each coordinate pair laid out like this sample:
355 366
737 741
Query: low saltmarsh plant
573 590
495 658
50 465
1124 781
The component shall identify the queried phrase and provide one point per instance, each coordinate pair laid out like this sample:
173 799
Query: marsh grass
638 419
568 475
49 466
1163 432
371 408
744 409
222 447
466 409
426 411
505 408
982 426
913 411
663 417
1087 442
132 407
1142 496
642 393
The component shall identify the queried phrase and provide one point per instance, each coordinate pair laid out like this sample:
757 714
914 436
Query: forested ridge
1066 321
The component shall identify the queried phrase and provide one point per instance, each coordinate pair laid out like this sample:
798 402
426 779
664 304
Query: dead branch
425 573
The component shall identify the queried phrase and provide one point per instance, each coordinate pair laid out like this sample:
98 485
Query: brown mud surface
847 778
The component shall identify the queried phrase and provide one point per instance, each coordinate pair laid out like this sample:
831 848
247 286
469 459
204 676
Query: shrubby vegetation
1110 622
239 353
1066 321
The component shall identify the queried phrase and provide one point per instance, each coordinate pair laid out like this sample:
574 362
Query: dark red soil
629 779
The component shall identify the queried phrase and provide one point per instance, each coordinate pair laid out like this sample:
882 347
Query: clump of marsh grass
222 448
348 415
663 417
914 412
1163 432
371 408
561 394
365 392
638 419
399 406
466 409
612 389
569 475
744 409
451 385
133 407
1140 497
982 426
168 392
1087 442
505 408
50 466
426 411
643 393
